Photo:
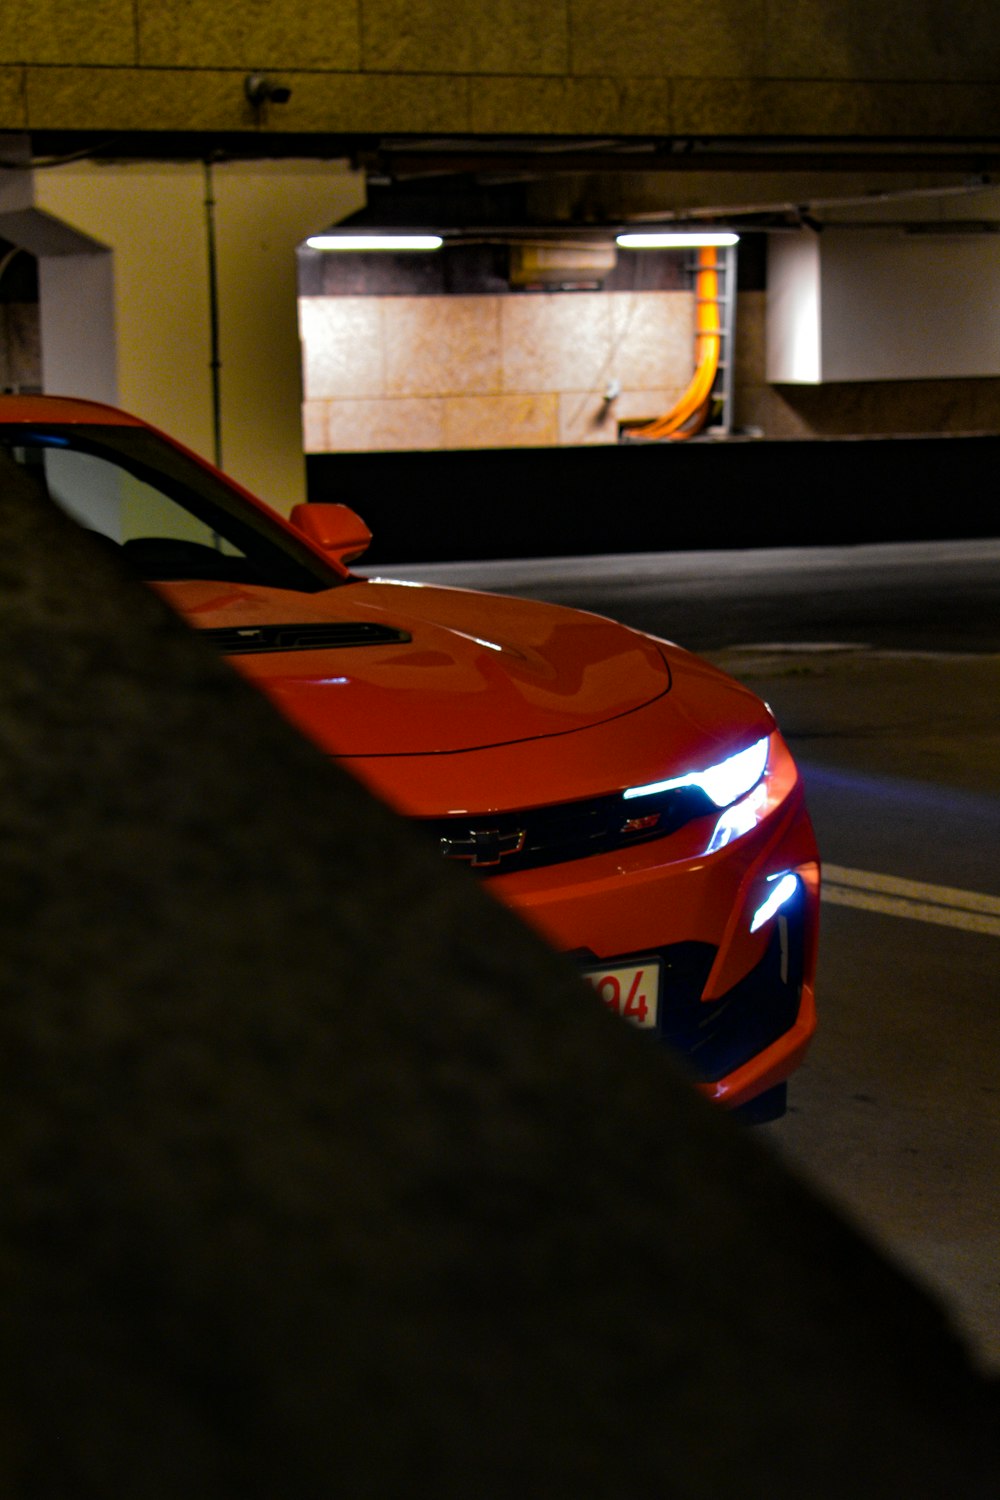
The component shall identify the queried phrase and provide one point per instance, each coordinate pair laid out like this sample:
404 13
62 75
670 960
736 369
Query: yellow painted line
969 910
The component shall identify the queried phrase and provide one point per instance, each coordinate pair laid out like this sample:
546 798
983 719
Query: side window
89 492
105 498
172 517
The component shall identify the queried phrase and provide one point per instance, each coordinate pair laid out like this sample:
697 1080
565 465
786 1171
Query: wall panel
530 370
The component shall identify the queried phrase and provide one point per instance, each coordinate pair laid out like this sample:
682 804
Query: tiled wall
340 417
489 371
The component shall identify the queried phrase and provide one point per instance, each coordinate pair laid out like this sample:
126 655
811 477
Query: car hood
464 671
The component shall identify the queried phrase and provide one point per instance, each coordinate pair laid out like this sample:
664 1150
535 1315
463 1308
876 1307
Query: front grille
502 843
257 639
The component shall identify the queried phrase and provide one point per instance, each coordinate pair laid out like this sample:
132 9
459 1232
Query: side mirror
335 528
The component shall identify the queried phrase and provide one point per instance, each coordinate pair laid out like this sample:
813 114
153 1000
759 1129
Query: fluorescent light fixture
724 783
676 239
374 242
784 890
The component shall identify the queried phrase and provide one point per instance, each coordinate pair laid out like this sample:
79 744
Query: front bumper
737 1004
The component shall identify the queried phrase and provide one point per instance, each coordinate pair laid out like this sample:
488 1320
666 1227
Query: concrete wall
589 67
663 497
127 310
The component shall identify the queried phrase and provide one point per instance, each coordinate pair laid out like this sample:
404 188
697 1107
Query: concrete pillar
77 324
127 304
881 303
75 280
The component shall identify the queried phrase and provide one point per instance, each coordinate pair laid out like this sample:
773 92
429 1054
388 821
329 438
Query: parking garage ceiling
569 184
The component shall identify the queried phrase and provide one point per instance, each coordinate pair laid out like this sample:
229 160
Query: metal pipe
214 361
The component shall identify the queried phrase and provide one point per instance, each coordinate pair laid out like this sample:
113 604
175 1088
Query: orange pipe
689 415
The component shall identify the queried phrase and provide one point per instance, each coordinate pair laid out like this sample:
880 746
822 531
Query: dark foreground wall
551 502
321 1176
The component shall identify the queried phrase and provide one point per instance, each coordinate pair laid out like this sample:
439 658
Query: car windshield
170 518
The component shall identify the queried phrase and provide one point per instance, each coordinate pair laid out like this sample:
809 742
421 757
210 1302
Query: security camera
261 90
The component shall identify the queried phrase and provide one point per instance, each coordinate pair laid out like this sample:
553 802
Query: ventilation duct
568 263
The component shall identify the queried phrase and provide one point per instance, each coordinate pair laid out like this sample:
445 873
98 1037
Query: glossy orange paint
337 529
491 705
476 673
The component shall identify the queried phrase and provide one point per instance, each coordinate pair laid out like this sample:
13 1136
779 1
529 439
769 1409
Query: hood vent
255 640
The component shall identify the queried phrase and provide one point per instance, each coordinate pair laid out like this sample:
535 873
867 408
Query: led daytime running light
783 891
723 783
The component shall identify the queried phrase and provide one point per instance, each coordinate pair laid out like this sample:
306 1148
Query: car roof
37 408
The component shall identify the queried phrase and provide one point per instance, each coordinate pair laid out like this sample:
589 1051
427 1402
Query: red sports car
635 805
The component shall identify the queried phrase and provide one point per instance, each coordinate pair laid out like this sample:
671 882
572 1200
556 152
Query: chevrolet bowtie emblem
484 846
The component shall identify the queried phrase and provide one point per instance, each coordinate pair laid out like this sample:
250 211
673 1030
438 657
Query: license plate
632 991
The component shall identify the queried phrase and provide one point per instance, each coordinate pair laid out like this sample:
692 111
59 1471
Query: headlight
725 782
739 818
